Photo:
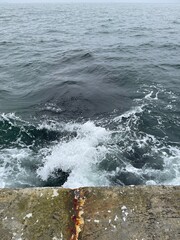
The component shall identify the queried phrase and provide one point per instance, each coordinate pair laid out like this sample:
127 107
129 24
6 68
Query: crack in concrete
78 202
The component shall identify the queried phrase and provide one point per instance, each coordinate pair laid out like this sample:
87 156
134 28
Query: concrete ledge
127 213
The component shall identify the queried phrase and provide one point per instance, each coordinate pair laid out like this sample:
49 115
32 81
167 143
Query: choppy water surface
89 95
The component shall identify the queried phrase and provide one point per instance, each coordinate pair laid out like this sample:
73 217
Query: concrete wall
123 213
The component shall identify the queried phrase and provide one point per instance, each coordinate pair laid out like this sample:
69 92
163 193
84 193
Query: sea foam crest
79 156
131 113
12 171
8 116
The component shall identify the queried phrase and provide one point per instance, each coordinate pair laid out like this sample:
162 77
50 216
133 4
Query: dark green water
89 94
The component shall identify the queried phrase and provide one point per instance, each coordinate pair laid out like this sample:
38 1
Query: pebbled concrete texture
127 213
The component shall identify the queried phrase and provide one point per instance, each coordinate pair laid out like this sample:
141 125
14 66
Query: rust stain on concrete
79 201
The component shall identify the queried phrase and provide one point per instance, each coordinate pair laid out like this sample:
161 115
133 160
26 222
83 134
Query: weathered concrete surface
124 213
35 214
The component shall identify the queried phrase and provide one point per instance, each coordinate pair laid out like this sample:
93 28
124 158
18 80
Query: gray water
89 94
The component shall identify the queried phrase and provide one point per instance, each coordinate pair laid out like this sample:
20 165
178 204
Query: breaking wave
122 149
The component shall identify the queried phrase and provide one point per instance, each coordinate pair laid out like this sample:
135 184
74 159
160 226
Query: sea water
89 94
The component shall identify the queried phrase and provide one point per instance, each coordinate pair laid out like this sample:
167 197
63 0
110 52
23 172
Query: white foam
12 170
2 183
172 167
52 108
50 125
82 154
169 175
79 156
10 116
130 113
149 95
